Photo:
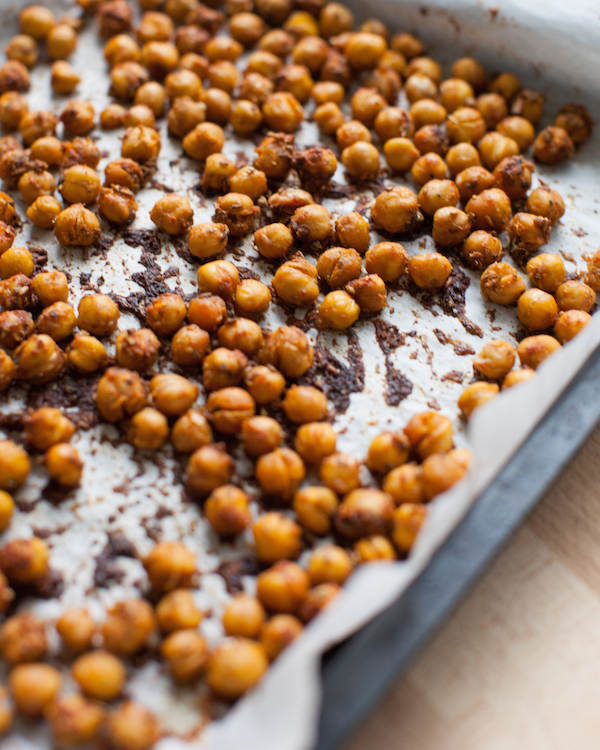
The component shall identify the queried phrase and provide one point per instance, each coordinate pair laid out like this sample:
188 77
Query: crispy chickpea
7 370
361 160
46 427
576 120
126 78
338 266
456 93
261 435
315 508
396 210
436 194
139 114
252 298
177 611
237 212
249 181
513 176
172 394
474 181
553 145
148 429
592 277
311 223
44 211
352 231
546 202
432 139
501 284
7 507
428 167
16 260
327 91
121 48
429 432
296 281
494 147
460 157
338 310
39 359
49 149
166 314
98 314
13 107
14 76
264 383
61 41
295 79
170 565
36 21
34 184
159 58
207 312
223 368
315 441
265 63
77 118
340 472
467 125
289 350
528 104
404 484
282 112
276 536
316 600
401 154
80 185
471 70
527 234
569 323
120 393
407 522
244 616
189 346
352 132
274 156
507 85
190 432
15 292
87 354
131 727
519 129
73 720
184 115
301 23
117 205
334 19
429 271
172 214
315 168
227 510
229 407
76 629
235 666
364 512
329 564
427 112
209 467
141 144
304 403
533 350
573 295
374 549
128 626
282 587
33 686
329 118
281 630
369 292
387 259
494 109
276 41
546 271
64 464
51 287
474 396
442 470
450 226
77 225
125 173
387 451
495 360
23 636
420 86
186 653
23 561
489 210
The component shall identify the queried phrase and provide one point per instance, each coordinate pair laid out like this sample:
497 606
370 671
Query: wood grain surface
518 663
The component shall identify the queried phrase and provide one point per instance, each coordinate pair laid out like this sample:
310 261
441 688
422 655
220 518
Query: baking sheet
281 713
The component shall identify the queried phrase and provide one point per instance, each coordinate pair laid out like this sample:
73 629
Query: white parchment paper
553 48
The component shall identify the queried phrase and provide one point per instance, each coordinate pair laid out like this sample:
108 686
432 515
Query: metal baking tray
357 673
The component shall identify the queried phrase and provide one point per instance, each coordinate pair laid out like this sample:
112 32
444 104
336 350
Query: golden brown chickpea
16 260
279 473
576 120
15 292
139 114
237 212
114 17
235 666
252 298
315 167
401 154
429 432
77 118
128 626
50 287
172 214
329 118
304 403
338 266
241 334
148 429
296 80
39 359
519 129
126 78
184 115
393 60
98 315
442 470
275 240
436 194
338 310
245 117
527 234
495 360
36 21
177 611
315 508
227 510
352 132
352 231
281 630
141 144
396 210
361 161
528 104
76 629
301 23
533 350
57 320
364 512
420 86
467 125
429 271
87 354
387 451
170 565
282 112
189 346
244 616
117 205
73 720
501 284
369 292
131 727
311 52
340 472
494 109
228 408
223 48
186 653
461 157
277 537
374 549
13 107
474 396
407 522
507 85
120 393
121 48
77 225
7 370
471 70
64 465
456 93
316 600
33 686
44 211
296 281
450 226
428 167
569 323
166 314
386 259
249 181
261 435
207 312
427 66
289 350
265 384
386 81
181 83
124 172
190 432
14 76
432 139
544 201
80 184
276 41
489 210
553 145
223 368
172 394
546 271
334 19
47 426
264 63
49 149
61 41
427 112
159 58
275 156
573 295
366 104
311 223
282 587
23 638
33 185
329 564
494 147
223 77
592 277
315 441
513 175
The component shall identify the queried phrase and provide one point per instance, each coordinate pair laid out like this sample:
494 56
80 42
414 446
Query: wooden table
517 666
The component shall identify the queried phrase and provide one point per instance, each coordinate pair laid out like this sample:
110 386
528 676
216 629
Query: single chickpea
141 144
315 441
279 473
274 156
172 214
64 464
249 181
326 91
76 629
592 277
61 41
281 630
387 451
14 466
528 104
296 281
16 260
44 211
429 432
13 107
228 408
33 686
235 666
46 427
443 470
427 112
117 205
223 48
23 637
340 472
98 314
289 350
77 118
407 522
7 507
177 611
432 139
401 154
507 85
252 298
329 564
184 115
495 360
546 202
352 231
51 287
14 76
265 63
316 600
576 120
450 226
207 312
338 310
128 627
7 370
456 93
474 396
311 223
276 41
329 118
237 212
546 271
404 484
87 354
573 295
364 512
36 21
315 508
489 210
494 147
190 432
126 78
33 185
80 184
436 194
460 157
553 145
338 266
209 467
166 314
474 181
169 565
189 346
282 587
148 429
186 654
274 241
533 350
396 210
420 86
264 383
519 129
361 160
387 259
282 112
304 404
334 19
466 125
125 173
120 393
261 435
494 109
227 510
471 70
244 616
429 271
77 225
429 167
172 394
114 17
374 549
15 292
569 323
73 720
315 167
159 58
513 176
139 114
223 368
121 48
49 149
369 292
527 234
501 284
131 726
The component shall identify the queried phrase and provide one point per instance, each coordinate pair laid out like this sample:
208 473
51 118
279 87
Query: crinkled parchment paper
553 47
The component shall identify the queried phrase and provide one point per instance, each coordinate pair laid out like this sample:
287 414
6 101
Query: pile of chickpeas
461 141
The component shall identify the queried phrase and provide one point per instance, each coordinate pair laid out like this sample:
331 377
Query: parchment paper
553 48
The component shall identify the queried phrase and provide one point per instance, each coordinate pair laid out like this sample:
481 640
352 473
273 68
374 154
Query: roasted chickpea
569 324
173 214
16 260
364 512
436 194
471 70
33 185
229 407
527 234
139 114
24 561
261 435
573 295
311 223
172 394
407 522
120 393
264 384
329 118
533 350
513 176
14 76
98 315
252 298
186 653
124 172
396 210
281 630
7 370
361 160
249 181
7 507
340 472
141 144
460 157
592 277
428 167
87 354
327 91
546 271
276 41
334 19
427 112
432 139
235 666
77 225
429 270
33 686
207 311
131 726
237 212
386 259
13 107
546 202
489 210
39 359
274 156
209 467
166 314
76 629
121 48
128 626
189 346
227 510
23 636
466 124
177 611
223 48
507 85
73 720
553 145
329 564
442 470
495 360
420 86
148 429
61 41
57 320
296 281
244 616
190 432
126 78
223 368
265 63
401 154
64 464
184 115
317 599
338 310
80 185
494 109
450 226
576 120
44 211
474 396
387 451
242 334
36 21
374 549
282 587
501 284
289 350
279 473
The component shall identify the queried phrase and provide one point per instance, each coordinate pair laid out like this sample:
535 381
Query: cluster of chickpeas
461 140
